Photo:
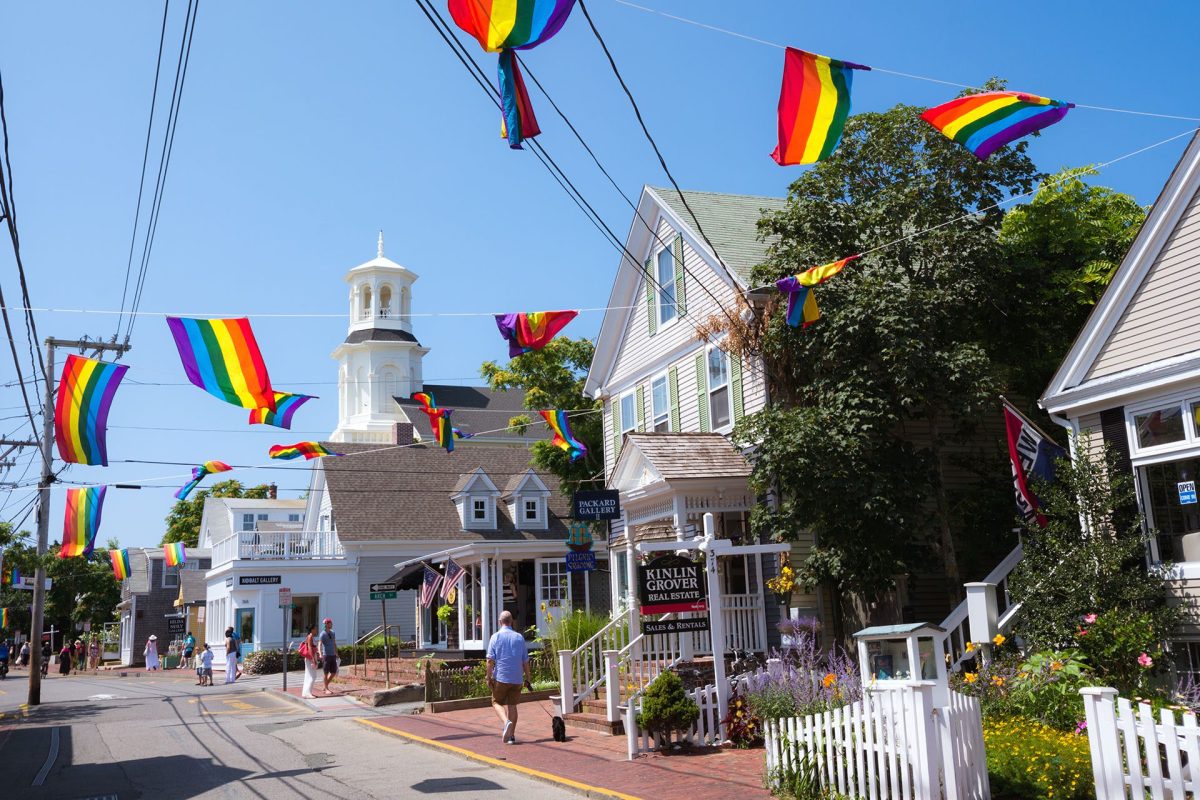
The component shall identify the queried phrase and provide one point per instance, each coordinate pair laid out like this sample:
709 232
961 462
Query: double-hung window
531 510
247 522
628 421
665 274
718 388
479 510
660 404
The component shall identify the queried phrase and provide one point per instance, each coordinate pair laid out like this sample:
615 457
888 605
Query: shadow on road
444 785
176 776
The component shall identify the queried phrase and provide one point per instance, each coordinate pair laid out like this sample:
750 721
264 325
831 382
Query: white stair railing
583 669
987 607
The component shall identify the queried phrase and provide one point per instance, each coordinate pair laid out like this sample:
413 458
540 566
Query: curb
584 789
291 698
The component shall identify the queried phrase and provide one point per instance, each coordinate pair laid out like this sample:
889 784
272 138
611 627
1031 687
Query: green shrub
572 630
1043 687
1029 760
1113 641
268 662
666 708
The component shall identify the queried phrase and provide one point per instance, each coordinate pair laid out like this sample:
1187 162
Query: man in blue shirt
507 668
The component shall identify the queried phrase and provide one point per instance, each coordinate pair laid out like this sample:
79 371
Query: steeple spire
379 247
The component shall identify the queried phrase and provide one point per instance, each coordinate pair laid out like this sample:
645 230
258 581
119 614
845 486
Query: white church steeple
380 358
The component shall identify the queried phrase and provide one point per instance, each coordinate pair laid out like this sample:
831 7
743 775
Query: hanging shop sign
1187 492
599 504
581 562
650 627
672 583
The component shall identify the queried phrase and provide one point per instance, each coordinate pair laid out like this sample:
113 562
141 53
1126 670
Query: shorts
506 694
330 664
187 653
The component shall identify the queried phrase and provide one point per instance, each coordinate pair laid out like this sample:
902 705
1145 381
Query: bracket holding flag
1032 453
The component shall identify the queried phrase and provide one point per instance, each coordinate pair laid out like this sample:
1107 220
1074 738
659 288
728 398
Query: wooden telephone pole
43 515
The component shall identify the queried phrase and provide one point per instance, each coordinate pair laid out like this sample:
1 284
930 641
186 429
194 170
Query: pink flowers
1089 619
1146 661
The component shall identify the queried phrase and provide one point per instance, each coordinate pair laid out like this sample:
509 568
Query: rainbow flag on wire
221 357
985 122
814 102
563 438
309 450
174 553
286 405
120 563
198 473
532 330
802 308
82 521
85 395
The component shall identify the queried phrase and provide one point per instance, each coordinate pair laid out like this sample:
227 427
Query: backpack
304 651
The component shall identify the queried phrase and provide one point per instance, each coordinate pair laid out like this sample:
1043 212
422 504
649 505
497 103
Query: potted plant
666 708
448 616
784 583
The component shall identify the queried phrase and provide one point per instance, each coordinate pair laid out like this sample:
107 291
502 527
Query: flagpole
1032 424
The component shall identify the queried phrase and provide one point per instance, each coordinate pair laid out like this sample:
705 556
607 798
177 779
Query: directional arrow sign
383 591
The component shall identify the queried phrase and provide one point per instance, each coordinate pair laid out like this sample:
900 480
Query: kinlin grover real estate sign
672 583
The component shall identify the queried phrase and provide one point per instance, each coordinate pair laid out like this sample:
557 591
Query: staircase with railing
988 608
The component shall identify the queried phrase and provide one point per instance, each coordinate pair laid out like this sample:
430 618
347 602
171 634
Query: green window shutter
651 311
616 429
673 389
641 408
702 391
735 386
680 287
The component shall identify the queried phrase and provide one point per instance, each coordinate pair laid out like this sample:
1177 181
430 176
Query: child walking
204 671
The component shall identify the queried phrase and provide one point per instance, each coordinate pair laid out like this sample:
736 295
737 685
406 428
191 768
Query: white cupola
380 358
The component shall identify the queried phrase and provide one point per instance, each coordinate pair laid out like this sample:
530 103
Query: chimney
272 492
402 433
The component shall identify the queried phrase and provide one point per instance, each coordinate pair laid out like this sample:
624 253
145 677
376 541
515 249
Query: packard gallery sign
672 583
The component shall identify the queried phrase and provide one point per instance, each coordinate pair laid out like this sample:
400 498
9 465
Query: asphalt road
162 736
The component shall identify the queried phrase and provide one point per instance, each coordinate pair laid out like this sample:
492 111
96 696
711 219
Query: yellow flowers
970 677
997 681
1055 666
998 639
829 680
785 582
970 647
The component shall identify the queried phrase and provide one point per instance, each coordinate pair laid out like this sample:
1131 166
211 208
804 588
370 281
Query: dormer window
525 496
533 511
479 510
475 498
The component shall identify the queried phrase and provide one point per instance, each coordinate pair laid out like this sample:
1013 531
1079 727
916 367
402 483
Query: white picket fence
892 745
706 731
1132 752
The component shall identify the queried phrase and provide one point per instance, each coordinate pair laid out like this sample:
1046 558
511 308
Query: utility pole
43 516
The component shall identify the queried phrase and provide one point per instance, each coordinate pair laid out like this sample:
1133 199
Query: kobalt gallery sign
672 583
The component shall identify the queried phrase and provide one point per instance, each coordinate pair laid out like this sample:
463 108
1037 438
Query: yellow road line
495 762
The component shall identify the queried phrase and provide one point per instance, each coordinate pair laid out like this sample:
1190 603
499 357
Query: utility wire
137 214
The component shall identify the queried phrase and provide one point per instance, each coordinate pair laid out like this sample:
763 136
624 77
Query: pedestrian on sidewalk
230 656
329 658
64 659
308 652
151 653
507 669
94 654
80 657
204 671
23 659
189 649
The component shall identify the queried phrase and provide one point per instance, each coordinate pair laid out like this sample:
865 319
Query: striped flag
453 573
430 586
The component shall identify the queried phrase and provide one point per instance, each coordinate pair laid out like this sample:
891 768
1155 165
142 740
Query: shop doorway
243 623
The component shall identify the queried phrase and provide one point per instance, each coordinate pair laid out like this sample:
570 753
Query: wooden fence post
566 681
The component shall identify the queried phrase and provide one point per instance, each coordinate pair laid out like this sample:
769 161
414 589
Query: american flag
430 586
453 573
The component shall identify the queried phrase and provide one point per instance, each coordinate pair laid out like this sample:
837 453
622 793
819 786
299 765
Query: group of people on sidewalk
78 655
319 653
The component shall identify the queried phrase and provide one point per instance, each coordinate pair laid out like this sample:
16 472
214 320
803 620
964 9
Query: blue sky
306 127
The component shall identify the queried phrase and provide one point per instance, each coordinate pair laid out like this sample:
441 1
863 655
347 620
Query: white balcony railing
277 545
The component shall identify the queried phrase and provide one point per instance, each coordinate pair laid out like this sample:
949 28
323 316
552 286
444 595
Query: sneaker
511 741
507 735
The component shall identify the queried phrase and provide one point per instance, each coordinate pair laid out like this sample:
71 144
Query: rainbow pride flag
198 473
120 563
533 330
985 122
515 24
286 405
221 357
174 553
82 521
443 431
517 122
309 450
814 103
802 308
85 395
563 438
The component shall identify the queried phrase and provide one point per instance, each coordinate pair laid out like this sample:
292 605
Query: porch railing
283 545
745 626
995 597
586 664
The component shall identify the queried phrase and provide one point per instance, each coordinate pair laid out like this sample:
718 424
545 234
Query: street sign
1187 492
600 504
675 625
285 597
26 583
383 591
581 562
672 583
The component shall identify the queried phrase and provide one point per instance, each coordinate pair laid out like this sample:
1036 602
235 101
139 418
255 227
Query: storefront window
1161 426
304 614
244 625
1172 518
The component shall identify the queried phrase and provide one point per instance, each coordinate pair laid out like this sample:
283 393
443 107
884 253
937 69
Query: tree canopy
183 523
553 378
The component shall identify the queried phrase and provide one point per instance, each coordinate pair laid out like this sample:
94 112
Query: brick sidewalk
590 758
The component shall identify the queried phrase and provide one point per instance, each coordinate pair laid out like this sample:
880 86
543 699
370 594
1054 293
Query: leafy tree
1063 248
1089 559
872 401
553 378
183 523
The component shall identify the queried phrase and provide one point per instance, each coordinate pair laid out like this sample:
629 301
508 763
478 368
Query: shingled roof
405 493
729 220
690 455
476 409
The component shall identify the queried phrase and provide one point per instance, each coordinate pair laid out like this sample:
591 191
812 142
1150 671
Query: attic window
665 274
479 510
532 511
